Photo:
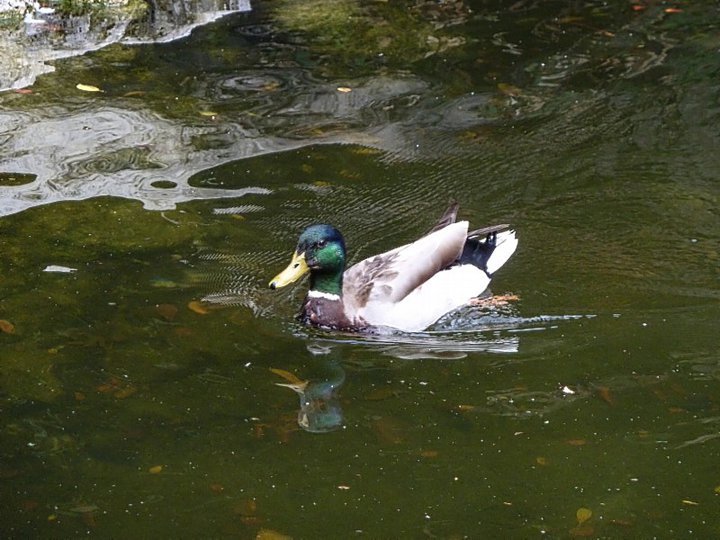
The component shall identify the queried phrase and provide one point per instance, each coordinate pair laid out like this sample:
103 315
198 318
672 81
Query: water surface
137 391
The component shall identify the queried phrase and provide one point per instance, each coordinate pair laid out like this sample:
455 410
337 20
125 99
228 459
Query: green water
136 392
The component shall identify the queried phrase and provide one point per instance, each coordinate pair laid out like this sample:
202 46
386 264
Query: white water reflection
46 35
109 150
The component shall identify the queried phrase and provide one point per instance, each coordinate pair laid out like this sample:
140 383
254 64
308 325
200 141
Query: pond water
142 355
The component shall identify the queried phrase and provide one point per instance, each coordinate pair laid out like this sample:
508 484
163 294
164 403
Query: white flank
445 291
326 296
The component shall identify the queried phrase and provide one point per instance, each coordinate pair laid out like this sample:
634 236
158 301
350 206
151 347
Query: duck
406 289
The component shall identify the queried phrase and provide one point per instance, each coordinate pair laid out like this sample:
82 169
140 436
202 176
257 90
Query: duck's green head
320 251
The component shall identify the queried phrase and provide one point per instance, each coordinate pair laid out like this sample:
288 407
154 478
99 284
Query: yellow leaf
717 490
289 377
198 308
269 534
509 89
208 113
690 503
344 89
582 515
157 469
125 392
87 88
7 326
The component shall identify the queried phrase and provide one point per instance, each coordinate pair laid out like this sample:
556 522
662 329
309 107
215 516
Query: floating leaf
429 453
157 469
343 487
583 514
87 88
543 461
23 91
246 508
717 490
208 113
184 331
509 89
289 377
198 307
269 534
673 10
134 93
389 430
167 311
7 327
690 503
576 442
110 386
344 89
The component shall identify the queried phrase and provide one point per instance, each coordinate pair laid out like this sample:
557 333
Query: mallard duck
408 288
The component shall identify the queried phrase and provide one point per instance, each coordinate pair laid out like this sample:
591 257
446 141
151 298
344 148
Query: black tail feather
477 252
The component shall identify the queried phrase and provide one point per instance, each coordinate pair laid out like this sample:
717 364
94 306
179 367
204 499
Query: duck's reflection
320 410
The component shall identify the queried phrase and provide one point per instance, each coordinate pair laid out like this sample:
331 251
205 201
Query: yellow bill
294 271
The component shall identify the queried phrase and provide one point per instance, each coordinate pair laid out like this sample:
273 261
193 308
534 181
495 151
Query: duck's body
408 288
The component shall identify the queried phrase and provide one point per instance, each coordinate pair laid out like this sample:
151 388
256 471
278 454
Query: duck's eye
321 243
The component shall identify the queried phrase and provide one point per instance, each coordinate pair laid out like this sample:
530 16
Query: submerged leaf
157 469
7 327
125 392
603 393
167 311
583 514
269 534
289 377
246 508
576 442
198 307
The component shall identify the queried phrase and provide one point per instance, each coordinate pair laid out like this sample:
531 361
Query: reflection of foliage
358 31
10 20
